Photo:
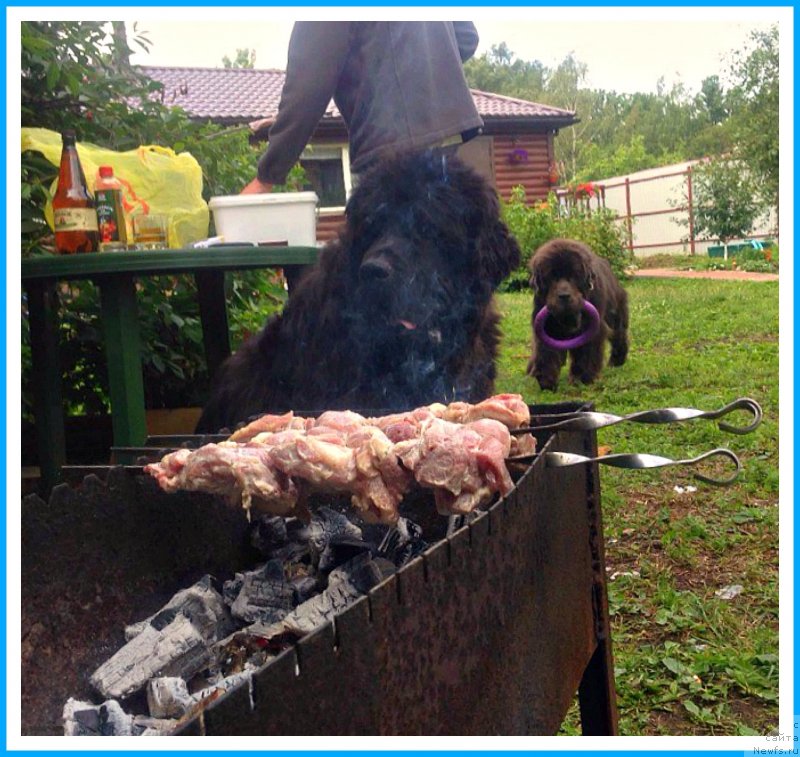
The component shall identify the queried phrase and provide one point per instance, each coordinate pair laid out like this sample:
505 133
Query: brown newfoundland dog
564 275
397 312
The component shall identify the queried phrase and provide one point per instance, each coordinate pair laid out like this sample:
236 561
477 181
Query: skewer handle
639 461
589 420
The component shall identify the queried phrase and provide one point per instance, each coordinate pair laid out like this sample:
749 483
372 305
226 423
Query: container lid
263 198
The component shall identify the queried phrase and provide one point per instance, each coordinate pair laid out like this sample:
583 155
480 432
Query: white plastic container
288 218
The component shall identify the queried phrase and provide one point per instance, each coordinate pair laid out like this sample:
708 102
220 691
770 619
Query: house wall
533 173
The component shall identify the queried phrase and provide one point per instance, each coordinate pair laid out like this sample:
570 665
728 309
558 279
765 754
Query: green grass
687 662
702 262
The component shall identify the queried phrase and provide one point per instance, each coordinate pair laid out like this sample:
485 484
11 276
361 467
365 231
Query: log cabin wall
523 159
328 226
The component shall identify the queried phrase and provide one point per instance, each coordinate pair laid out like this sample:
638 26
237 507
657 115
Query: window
327 169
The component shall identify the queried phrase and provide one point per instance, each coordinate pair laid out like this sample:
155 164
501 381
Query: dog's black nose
564 297
374 271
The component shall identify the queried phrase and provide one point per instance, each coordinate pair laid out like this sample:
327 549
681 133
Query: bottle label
108 217
75 219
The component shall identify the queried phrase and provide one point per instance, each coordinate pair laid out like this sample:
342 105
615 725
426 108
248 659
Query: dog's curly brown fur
397 312
564 272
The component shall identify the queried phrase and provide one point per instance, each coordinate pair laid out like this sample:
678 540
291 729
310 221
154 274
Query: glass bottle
75 219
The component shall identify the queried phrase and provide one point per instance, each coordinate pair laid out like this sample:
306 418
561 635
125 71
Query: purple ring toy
573 342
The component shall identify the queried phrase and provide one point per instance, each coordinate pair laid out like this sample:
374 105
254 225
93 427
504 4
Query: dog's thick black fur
397 312
564 272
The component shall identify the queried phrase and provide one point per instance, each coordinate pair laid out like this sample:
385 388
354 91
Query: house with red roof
516 147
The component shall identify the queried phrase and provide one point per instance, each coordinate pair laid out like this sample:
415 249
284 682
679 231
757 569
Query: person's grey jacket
397 84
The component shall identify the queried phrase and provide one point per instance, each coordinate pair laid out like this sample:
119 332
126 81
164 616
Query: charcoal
178 649
345 585
304 587
87 719
402 542
168 697
265 595
145 726
231 589
201 603
327 524
269 533
340 549
458 521
223 685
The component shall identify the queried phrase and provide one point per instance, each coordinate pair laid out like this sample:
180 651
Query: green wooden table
115 273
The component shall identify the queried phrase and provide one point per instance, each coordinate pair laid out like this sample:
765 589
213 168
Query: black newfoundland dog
397 312
565 273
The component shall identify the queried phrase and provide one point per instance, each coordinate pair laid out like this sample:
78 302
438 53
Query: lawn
687 661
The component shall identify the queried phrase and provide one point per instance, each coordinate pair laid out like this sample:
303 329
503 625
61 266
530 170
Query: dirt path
663 273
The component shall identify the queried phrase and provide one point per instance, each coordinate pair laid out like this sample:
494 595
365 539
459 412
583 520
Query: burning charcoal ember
265 595
178 649
201 603
402 543
239 652
168 697
87 719
463 464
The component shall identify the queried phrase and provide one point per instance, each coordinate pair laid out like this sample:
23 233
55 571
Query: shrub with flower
534 224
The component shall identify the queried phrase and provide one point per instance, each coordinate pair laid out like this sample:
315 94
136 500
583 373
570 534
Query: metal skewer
589 420
638 461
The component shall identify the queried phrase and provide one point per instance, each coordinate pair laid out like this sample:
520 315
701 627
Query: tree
712 100
564 90
725 204
74 75
754 119
497 71
244 59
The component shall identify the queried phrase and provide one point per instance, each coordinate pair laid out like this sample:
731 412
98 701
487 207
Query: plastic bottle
110 213
74 215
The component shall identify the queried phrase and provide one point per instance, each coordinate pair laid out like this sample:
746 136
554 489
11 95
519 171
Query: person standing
399 86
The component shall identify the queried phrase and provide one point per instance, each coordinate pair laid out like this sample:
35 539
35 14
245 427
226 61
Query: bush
73 78
533 225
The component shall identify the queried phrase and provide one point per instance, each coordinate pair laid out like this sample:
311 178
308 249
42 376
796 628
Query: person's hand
256 187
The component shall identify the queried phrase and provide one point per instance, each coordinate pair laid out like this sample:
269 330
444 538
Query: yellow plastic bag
154 179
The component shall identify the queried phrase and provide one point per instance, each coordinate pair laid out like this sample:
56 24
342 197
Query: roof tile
244 95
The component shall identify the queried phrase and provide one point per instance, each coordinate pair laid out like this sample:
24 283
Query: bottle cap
105 171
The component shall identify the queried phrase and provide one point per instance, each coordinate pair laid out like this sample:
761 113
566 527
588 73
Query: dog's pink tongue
408 325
